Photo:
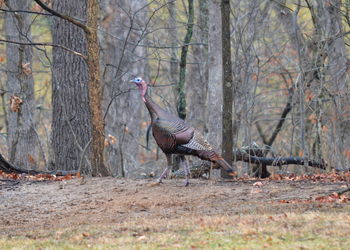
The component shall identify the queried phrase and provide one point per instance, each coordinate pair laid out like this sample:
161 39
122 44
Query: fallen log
7 167
199 168
240 155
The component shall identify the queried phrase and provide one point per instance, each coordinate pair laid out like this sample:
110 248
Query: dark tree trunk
181 102
227 86
71 126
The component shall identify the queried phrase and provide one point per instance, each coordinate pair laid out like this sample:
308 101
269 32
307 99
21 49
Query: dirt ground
30 205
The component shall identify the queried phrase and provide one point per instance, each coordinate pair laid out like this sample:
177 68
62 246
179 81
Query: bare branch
26 11
65 17
46 44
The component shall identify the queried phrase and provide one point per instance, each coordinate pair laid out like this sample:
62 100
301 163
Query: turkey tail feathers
223 164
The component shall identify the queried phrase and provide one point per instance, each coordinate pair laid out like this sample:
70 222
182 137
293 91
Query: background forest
67 102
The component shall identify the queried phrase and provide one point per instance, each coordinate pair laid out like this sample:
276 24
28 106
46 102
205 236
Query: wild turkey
174 136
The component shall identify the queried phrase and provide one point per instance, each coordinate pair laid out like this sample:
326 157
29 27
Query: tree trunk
181 101
197 79
22 137
95 92
120 55
215 75
173 36
331 21
71 125
227 86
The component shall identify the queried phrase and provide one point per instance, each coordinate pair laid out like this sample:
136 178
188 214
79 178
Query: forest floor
279 213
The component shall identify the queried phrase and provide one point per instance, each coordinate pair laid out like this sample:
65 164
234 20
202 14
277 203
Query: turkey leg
186 169
167 169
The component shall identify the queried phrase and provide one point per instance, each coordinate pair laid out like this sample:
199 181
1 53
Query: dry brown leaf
26 69
110 140
324 129
31 159
258 184
15 103
126 130
256 191
86 234
154 184
143 237
144 125
313 118
347 153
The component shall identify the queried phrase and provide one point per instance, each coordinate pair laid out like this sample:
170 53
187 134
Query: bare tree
95 120
197 79
123 28
70 99
227 85
181 99
215 75
22 136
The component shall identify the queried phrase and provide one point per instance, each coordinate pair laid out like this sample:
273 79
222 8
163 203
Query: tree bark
197 79
331 24
95 91
91 127
173 36
22 139
181 101
123 117
227 86
215 75
71 126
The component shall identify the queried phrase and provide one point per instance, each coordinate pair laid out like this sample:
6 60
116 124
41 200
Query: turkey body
174 136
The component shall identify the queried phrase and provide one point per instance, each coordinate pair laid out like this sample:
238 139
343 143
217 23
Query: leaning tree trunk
71 126
22 137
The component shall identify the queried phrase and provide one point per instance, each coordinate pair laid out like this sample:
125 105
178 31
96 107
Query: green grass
311 230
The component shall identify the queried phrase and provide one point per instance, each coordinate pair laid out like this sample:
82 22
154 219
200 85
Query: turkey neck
153 108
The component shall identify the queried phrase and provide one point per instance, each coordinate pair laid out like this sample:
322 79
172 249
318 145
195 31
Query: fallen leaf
258 184
86 234
255 191
143 237
153 184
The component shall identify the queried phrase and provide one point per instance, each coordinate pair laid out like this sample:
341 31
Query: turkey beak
131 80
